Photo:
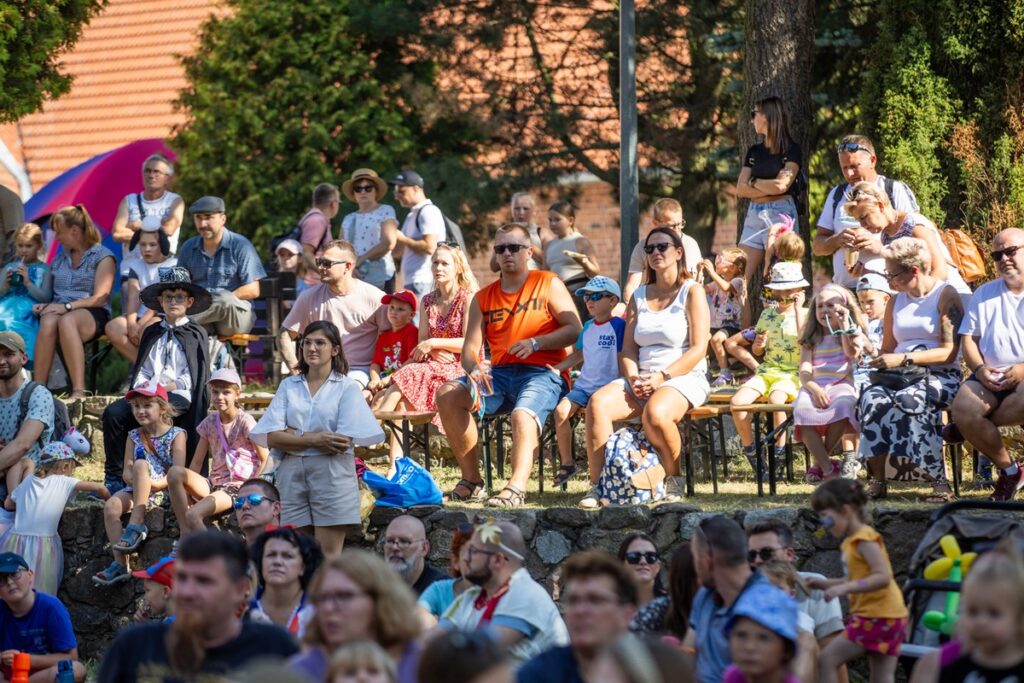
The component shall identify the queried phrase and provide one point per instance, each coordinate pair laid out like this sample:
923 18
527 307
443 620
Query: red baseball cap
162 571
149 390
403 295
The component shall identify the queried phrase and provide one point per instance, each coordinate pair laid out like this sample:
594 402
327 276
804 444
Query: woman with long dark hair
316 419
285 562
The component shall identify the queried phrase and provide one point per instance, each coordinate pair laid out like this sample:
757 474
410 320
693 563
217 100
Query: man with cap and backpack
27 410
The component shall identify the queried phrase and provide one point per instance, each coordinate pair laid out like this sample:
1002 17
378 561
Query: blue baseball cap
874 281
600 283
11 563
768 606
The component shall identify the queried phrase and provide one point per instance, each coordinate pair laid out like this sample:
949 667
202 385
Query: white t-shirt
837 222
995 316
526 608
416 267
363 231
826 615
600 344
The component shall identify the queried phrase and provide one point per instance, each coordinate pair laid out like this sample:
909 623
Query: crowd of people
390 318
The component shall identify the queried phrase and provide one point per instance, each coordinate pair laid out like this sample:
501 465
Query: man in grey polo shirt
226 264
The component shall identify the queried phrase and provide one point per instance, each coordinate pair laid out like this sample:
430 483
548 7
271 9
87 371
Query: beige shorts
318 490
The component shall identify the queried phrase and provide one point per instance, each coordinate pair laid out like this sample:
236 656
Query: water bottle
16 278
65 672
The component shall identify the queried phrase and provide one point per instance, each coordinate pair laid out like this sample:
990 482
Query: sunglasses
327 263
451 245
253 499
510 248
364 188
595 296
998 254
853 147
634 557
660 248
766 554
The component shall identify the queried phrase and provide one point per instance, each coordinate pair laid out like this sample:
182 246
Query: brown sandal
877 489
475 488
514 499
940 495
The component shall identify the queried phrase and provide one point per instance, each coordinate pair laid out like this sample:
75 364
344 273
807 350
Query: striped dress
833 372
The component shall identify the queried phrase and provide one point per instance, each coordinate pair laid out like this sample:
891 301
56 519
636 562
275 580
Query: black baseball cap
407 178
11 563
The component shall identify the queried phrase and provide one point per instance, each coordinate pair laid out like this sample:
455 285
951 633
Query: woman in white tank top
663 362
920 329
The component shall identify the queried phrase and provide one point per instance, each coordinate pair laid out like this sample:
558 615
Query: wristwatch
534 344
67 307
666 374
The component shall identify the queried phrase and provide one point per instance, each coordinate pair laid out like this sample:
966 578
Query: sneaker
675 490
1007 485
592 500
851 466
724 379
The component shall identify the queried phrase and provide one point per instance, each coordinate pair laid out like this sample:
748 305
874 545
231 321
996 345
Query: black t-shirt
429 575
959 669
765 165
140 654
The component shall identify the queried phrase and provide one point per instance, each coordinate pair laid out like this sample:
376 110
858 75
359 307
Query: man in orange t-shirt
528 319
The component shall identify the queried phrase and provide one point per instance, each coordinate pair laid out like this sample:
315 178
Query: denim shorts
530 388
755 230
579 396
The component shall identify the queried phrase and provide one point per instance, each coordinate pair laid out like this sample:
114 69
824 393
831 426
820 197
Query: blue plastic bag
411 485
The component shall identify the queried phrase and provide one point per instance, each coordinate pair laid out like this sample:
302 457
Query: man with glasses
226 265
173 353
257 505
666 213
992 343
340 298
773 540
406 548
527 318
504 599
34 623
599 599
421 230
315 227
156 199
838 232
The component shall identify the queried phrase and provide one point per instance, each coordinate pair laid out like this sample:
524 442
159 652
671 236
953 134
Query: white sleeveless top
157 207
915 321
663 336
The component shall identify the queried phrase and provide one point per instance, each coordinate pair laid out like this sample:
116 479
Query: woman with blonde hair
359 597
871 206
904 419
442 329
83 277
25 282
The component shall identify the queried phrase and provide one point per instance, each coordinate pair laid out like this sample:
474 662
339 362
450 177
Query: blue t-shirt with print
45 629
600 344
40 407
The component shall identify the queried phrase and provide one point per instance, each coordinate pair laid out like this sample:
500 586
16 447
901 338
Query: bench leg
688 455
758 461
485 449
720 425
426 446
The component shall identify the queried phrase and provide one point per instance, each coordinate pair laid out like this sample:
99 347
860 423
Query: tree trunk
778 58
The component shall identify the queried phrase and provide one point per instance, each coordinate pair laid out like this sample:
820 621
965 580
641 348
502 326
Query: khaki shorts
318 490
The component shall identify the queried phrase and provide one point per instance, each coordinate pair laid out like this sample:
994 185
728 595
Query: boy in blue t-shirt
598 346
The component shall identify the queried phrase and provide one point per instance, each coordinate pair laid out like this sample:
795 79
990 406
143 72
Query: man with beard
20 439
720 559
992 343
599 598
257 505
208 638
504 599
406 548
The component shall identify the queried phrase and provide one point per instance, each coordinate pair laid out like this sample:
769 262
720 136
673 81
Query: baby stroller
975 532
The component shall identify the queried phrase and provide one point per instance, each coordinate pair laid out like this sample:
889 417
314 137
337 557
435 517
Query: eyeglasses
327 264
154 171
893 276
510 248
634 557
998 254
13 577
451 245
174 298
766 554
596 296
315 343
335 599
253 499
661 247
471 551
364 188
592 599
403 543
853 147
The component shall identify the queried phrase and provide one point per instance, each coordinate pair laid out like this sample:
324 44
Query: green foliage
33 34
283 96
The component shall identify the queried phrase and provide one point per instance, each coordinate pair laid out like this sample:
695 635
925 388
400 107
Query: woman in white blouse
315 420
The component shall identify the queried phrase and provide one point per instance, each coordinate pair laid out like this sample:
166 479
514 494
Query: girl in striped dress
826 406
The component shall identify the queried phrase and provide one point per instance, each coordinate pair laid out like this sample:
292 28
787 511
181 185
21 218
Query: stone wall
552 534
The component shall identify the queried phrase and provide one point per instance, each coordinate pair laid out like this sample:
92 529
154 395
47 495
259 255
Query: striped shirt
830 364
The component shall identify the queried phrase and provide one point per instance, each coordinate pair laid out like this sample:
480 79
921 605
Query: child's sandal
814 475
877 489
115 573
132 538
565 473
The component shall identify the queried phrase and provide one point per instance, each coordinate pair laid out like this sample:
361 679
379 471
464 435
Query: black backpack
452 231
61 419
838 195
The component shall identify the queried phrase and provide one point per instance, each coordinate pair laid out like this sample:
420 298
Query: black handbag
900 377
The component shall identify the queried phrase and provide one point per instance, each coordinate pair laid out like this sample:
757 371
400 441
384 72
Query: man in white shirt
838 231
666 213
504 598
156 199
422 229
992 343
